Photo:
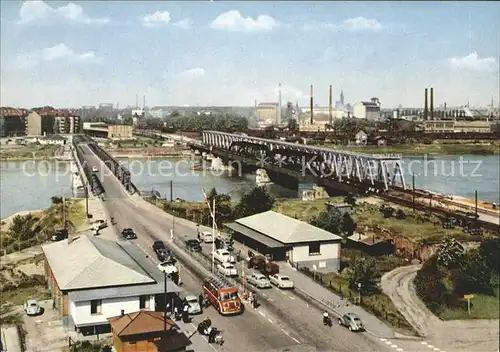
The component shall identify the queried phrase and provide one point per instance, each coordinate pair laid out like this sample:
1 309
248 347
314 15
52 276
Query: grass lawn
21 295
30 151
482 307
303 210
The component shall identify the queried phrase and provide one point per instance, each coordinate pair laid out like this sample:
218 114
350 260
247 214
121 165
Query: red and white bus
223 295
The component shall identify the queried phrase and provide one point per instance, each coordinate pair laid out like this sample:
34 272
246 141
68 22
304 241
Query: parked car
31 307
206 237
158 245
60 235
168 266
194 305
99 225
227 269
94 169
163 254
129 234
193 245
351 321
281 281
223 255
258 280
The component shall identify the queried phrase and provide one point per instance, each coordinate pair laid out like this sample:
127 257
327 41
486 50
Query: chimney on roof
330 117
431 108
311 105
426 109
123 312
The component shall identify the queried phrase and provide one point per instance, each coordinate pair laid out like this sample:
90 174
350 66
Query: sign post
468 298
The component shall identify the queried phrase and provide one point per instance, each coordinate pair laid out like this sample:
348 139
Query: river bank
441 148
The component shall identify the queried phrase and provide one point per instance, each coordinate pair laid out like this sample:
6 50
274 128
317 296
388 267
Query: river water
29 185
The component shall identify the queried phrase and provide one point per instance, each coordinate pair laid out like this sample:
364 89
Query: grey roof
91 262
269 242
285 229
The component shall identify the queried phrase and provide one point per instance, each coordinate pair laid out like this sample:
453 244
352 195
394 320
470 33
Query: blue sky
233 53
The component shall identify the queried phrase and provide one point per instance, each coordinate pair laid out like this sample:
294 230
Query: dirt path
467 335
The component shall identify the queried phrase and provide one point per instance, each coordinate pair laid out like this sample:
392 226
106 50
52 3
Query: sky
69 54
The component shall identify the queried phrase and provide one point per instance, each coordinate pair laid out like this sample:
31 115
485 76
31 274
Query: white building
367 109
93 279
287 239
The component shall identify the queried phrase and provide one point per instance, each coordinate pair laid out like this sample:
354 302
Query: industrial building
103 130
456 126
12 122
287 239
369 110
267 112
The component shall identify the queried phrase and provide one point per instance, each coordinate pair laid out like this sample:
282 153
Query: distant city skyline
233 53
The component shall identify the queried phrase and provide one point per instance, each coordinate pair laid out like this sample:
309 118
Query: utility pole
165 303
171 190
475 201
64 212
413 193
86 189
213 236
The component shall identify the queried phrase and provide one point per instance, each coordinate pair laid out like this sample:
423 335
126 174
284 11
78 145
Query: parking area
45 332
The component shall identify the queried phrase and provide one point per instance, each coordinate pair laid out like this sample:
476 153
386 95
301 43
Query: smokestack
432 104
144 102
330 117
426 109
278 118
311 105
137 100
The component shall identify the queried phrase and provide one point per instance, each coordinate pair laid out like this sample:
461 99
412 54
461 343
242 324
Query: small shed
361 138
371 244
380 141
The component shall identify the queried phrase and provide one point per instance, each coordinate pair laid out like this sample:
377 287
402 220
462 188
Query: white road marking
430 346
382 339
399 350
388 342
294 339
436 349
262 313
424 343
394 346
272 322
291 297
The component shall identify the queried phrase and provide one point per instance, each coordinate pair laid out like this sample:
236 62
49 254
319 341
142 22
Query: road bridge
327 167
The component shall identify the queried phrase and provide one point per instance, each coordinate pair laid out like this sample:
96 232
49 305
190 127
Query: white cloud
39 10
184 24
290 93
234 21
473 62
156 19
350 24
57 52
192 73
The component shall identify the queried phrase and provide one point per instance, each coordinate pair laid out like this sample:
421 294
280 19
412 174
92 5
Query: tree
258 200
449 252
335 222
429 284
292 125
87 346
56 200
223 207
474 275
364 271
489 250
22 227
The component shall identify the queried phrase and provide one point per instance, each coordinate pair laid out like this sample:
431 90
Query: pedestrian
185 313
250 298
200 300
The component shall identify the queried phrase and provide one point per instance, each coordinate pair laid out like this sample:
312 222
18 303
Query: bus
222 295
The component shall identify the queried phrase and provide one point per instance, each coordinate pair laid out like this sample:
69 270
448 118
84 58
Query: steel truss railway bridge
328 167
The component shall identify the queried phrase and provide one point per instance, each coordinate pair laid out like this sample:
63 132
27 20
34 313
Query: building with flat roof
119 131
267 112
287 239
367 109
12 122
456 126
93 279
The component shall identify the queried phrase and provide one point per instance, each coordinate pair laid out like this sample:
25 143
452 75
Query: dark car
59 235
158 245
193 245
129 234
163 254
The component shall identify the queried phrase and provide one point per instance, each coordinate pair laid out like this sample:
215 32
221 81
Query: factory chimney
278 117
426 109
330 117
432 104
137 100
144 102
311 103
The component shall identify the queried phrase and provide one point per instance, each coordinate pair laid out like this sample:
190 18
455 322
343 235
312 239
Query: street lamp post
165 276
359 292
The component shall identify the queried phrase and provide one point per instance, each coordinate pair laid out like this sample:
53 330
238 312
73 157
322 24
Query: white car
206 237
194 305
94 169
99 225
31 307
281 281
168 267
227 269
223 255
258 280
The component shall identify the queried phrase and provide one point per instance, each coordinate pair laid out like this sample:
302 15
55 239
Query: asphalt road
285 322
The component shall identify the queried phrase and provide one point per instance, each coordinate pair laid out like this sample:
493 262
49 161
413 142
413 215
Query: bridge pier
284 180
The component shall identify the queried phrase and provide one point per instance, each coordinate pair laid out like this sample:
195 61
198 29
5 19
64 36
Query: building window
144 302
314 249
95 306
